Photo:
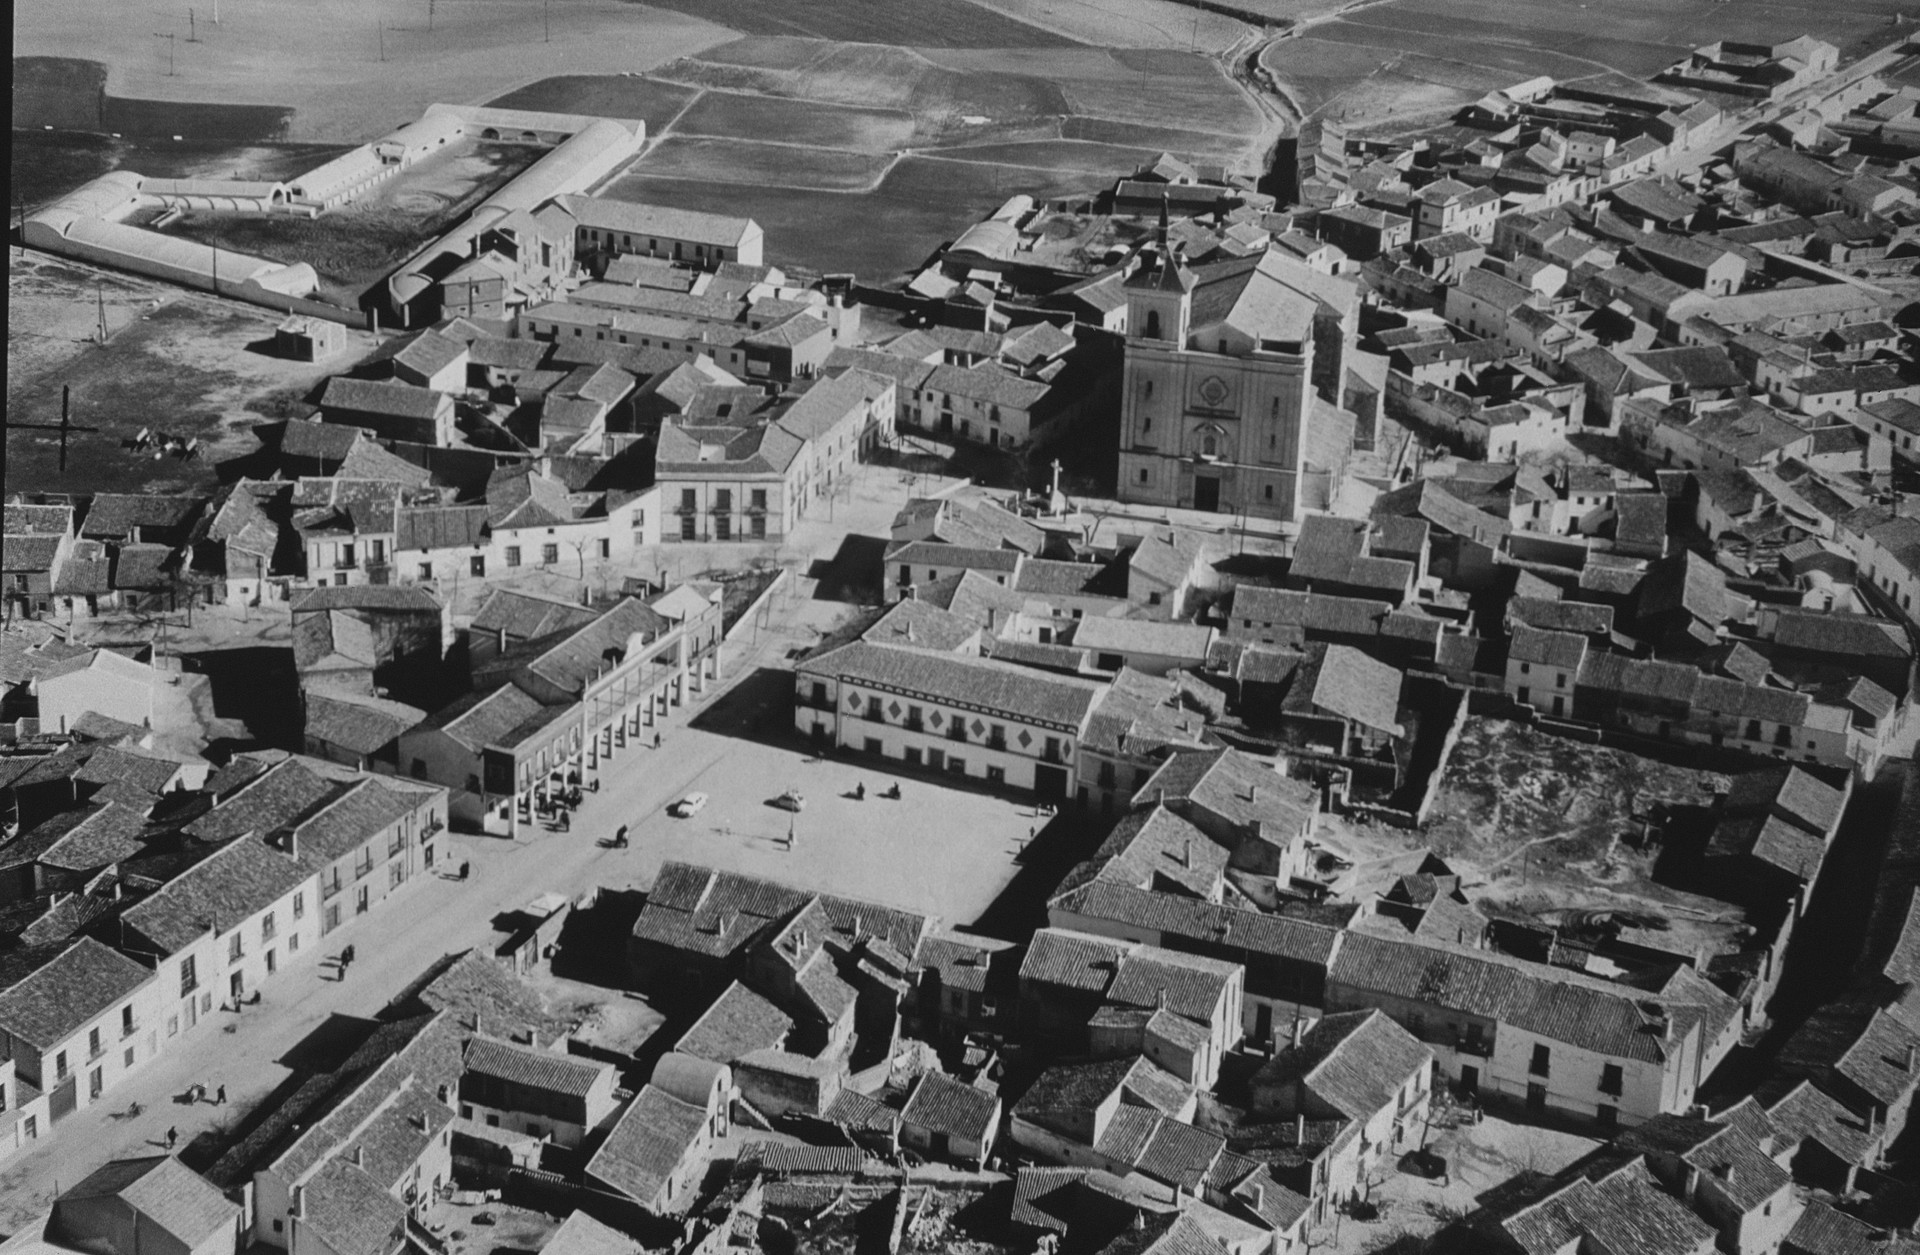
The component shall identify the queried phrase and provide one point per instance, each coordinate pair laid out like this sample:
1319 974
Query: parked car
792 800
689 806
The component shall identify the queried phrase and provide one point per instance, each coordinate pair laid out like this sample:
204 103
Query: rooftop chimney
1910 1057
1300 1129
1299 1030
1259 1197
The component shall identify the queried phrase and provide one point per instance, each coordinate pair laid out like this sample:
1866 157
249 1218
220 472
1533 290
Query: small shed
306 339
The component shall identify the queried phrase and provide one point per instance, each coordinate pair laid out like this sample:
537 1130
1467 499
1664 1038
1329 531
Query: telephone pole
546 18
168 36
193 36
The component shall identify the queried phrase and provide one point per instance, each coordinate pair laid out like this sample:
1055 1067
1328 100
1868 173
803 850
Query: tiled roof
1356 1061
581 1234
357 816
1821 1230
218 893
1225 926
1625 1211
379 396
648 1145
1554 1004
176 1199
117 514
942 1105
350 1212
738 1023
536 1069
107 835
58 998
997 689
1356 686
1808 1113
358 723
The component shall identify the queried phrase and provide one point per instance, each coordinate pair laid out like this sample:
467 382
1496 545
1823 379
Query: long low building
948 712
89 224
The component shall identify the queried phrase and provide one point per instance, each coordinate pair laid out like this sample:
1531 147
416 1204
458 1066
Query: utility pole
546 18
100 295
168 36
383 39
192 36
429 15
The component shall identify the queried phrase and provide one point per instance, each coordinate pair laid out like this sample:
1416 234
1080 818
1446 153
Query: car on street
791 800
687 807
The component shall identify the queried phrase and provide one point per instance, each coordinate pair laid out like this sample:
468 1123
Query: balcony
916 724
1474 1046
345 564
330 889
433 825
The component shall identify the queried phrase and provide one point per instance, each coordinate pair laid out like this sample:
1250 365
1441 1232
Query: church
1233 375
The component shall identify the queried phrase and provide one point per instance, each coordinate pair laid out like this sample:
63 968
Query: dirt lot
49 164
1542 823
172 360
765 165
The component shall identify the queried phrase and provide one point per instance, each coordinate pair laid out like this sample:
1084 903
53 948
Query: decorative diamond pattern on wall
1026 739
893 708
936 719
853 701
979 729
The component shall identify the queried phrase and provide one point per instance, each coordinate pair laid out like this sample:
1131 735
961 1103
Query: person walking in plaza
173 1138
656 740
220 1096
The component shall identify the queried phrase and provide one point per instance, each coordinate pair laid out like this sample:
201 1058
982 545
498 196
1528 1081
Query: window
1611 1080
605 548
686 527
60 1066
513 555
426 570
759 498
1541 1058
1269 492
126 1057
1143 474
1147 392
477 565
267 927
189 977
1210 446
94 1047
1153 325
31 1127
300 904
549 554
234 949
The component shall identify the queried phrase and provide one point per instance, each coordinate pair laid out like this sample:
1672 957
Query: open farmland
822 142
1409 61
1133 23
921 203
773 165
941 23
735 116
333 70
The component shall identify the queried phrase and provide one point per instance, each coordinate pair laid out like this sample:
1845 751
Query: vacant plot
768 165
733 115
604 95
939 23
177 362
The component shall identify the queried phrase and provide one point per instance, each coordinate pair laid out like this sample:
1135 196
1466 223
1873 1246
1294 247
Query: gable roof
73 986
647 1146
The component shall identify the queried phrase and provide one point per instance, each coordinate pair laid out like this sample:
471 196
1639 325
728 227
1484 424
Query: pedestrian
220 1096
656 740
173 1137
566 823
